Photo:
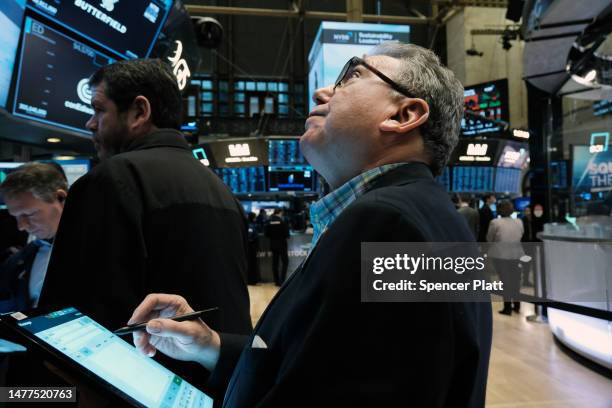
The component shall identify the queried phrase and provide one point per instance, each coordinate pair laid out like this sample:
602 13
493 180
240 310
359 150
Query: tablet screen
114 360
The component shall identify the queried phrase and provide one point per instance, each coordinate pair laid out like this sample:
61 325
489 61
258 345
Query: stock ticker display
52 82
243 179
487 100
507 180
285 152
127 28
472 179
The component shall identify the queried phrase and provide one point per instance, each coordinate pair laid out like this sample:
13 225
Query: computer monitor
291 178
468 179
242 180
5 169
507 180
52 82
128 28
285 152
11 16
488 100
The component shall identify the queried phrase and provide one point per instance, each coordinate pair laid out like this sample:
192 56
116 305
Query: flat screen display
5 169
52 81
285 153
11 15
112 359
244 179
74 169
591 169
127 27
488 100
444 179
290 178
507 180
513 155
472 179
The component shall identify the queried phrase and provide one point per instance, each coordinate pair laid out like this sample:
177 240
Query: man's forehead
382 62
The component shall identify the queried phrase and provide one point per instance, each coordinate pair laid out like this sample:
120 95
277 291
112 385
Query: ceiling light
54 140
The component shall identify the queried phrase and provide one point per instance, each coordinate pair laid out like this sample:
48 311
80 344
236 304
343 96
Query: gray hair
425 77
41 179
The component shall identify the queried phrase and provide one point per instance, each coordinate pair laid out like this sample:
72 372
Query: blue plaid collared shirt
327 209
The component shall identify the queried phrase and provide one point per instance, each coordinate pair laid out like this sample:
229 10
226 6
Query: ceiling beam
199 10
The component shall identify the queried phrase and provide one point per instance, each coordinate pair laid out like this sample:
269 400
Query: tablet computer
112 363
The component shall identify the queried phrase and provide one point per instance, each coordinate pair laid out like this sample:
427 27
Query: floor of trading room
528 370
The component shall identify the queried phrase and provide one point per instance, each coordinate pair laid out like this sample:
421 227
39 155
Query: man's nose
22 223
323 95
91 124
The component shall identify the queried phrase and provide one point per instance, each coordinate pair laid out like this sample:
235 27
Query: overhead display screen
472 179
507 180
127 27
5 169
285 152
489 101
244 179
11 14
591 169
514 155
291 178
336 42
52 81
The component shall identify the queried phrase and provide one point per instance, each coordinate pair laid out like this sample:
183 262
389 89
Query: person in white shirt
507 232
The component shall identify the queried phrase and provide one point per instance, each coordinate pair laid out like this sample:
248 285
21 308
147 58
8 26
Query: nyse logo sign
240 153
477 149
476 152
179 66
239 149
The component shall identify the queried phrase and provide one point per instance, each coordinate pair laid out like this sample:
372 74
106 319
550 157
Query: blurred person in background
507 233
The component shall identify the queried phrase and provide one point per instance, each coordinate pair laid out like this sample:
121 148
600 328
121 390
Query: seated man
34 194
378 136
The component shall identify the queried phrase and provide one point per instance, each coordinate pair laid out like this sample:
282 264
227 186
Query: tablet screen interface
114 360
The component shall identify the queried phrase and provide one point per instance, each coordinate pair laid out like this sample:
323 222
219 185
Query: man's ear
410 114
139 113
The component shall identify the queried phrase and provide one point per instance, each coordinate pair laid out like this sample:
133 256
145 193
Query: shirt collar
328 208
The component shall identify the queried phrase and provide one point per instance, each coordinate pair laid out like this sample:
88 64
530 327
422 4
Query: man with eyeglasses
378 136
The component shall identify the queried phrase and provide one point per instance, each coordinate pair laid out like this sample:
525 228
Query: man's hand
187 341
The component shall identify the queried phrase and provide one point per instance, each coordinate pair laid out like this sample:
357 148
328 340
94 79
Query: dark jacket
486 216
277 231
152 219
324 347
15 279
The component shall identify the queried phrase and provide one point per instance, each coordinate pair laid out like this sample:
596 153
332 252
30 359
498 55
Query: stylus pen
142 325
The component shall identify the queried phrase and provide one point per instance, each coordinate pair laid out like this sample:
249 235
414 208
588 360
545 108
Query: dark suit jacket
326 348
151 220
277 231
486 216
15 278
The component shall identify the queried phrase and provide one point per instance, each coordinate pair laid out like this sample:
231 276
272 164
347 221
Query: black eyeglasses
353 62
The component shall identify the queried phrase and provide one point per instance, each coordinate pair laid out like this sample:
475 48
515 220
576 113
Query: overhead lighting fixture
523 134
64 158
54 140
